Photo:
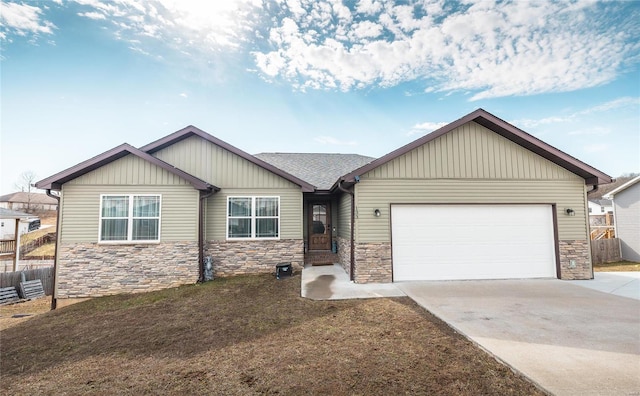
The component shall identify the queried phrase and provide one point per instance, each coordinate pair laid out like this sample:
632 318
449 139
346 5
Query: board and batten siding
218 166
344 216
470 164
80 204
290 211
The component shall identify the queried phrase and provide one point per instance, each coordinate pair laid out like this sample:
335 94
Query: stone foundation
373 262
575 261
93 270
250 257
344 253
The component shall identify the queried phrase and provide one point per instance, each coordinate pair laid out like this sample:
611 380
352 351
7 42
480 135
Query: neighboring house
28 201
626 210
9 219
476 199
599 211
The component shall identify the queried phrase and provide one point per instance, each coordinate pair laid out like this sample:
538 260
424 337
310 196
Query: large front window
130 218
253 217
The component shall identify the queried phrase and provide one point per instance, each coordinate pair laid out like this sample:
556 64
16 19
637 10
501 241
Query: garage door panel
432 242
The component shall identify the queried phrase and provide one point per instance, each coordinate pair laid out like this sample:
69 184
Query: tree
26 184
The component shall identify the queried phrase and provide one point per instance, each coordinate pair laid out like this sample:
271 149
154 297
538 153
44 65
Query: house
28 201
626 211
12 221
476 199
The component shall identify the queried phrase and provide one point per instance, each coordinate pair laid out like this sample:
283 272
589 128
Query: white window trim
129 239
253 218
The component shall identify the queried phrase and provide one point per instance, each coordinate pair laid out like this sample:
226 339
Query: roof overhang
56 181
591 175
610 194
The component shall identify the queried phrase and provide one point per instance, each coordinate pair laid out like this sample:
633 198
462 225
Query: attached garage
445 242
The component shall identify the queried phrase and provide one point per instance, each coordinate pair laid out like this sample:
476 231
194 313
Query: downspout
352 257
203 197
54 301
586 203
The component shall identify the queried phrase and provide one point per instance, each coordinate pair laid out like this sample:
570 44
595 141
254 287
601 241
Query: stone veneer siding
373 262
93 270
577 250
344 253
254 256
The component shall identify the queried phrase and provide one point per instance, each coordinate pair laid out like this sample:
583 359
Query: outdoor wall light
570 212
376 213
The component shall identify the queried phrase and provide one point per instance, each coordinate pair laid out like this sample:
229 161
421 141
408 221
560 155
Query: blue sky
368 76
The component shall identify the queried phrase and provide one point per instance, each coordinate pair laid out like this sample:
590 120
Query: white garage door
439 242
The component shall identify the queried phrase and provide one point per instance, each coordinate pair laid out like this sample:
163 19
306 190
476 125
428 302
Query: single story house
626 211
14 222
28 201
475 199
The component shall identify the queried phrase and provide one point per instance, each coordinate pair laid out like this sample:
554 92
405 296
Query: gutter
352 257
203 197
54 301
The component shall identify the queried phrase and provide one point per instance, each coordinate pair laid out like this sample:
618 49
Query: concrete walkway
569 337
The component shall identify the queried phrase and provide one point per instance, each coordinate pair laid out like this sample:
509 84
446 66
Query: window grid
261 221
144 219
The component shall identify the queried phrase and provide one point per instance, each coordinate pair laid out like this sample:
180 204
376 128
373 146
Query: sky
79 77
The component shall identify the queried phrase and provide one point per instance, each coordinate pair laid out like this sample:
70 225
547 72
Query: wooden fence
605 250
8 279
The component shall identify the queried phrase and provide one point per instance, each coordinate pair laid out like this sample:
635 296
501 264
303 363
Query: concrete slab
568 339
331 282
624 284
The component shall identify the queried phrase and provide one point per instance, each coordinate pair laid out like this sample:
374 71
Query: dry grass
31 308
246 335
619 266
47 250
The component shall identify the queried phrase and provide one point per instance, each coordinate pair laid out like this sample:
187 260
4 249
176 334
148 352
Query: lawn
245 335
619 266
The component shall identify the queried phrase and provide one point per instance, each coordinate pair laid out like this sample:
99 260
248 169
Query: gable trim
193 131
56 181
591 175
623 187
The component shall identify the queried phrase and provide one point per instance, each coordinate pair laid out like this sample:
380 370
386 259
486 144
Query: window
602 209
130 218
253 217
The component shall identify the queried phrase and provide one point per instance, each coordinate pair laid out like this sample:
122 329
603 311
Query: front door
319 226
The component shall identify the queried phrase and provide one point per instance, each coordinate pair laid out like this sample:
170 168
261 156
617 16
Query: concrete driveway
569 339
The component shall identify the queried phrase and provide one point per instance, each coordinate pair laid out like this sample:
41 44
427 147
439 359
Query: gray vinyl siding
344 216
80 208
470 152
290 211
129 170
218 166
470 164
627 212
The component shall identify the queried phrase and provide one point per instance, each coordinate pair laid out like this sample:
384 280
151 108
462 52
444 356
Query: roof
193 131
321 170
26 197
623 187
56 181
592 176
13 214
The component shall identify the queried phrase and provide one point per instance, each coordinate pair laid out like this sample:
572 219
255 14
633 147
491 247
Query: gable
470 151
219 166
129 170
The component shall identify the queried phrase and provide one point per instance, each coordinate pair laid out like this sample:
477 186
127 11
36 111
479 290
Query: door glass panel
319 216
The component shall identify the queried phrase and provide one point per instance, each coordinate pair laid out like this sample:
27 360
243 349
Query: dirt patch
620 266
246 335
14 314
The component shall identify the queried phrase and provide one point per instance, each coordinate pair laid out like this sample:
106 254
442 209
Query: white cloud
183 95
491 49
595 148
22 20
92 15
333 141
425 127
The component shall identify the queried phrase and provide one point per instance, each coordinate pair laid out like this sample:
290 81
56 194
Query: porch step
320 257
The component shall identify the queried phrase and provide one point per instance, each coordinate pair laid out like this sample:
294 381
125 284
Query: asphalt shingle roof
320 169
23 197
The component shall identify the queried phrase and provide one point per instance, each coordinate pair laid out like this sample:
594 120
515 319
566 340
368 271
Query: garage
446 242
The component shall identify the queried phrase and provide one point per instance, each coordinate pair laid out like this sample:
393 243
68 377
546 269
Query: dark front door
319 226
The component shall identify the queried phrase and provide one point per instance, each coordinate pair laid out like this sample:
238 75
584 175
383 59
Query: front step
320 257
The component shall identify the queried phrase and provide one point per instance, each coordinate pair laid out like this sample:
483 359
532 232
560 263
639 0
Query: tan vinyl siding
470 152
218 166
344 216
130 170
290 211
372 194
81 210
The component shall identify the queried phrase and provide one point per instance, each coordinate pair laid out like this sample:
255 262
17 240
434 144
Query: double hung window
253 217
134 218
